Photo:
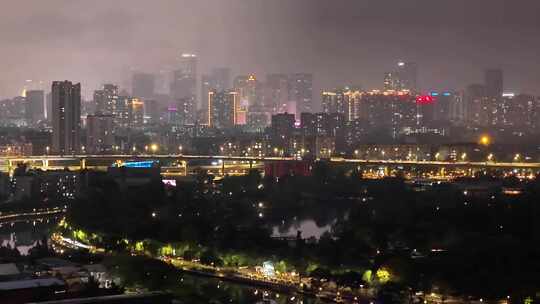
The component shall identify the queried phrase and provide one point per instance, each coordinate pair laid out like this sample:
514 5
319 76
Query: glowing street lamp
485 140
154 148
517 157
490 157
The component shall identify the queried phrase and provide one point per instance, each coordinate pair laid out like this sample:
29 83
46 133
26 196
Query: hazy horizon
340 42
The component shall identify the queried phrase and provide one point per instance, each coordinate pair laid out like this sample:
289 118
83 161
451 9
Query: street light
485 140
47 149
154 148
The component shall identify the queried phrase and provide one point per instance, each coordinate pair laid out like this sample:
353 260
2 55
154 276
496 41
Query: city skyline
87 45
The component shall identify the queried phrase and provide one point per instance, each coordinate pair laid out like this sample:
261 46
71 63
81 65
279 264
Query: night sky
340 41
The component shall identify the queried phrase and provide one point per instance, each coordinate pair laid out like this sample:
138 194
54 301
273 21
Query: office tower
183 88
342 101
35 110
222 109
276 94
478 105
66 117
99 135
494 83
301 92
406 76
143 85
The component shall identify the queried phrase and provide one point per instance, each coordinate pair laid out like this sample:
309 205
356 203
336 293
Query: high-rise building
478 106
99 135
342 101
219 80
66 116
183 88
222 109
144 85
390 110
389 81
276 94
494 83
106 99
407 76
135 112
35 110
301 92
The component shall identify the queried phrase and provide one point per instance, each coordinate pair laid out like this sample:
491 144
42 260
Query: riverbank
242 275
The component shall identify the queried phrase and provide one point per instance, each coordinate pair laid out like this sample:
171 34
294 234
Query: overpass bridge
84 161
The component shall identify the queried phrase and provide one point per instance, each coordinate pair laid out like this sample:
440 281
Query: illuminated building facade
222 109
301 92
345 102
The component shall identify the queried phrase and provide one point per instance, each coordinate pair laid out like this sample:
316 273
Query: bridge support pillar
222 168
83 163
250 164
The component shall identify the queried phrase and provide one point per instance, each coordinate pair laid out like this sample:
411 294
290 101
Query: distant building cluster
182 111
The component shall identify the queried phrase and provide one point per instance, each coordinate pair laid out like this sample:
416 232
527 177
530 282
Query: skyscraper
219 80
35 107
494 83
301 91
343 101
276 93
183 88
477 105
106 99
66 116
406 76
222 108
144 85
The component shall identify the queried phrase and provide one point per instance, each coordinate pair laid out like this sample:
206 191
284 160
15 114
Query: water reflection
309 229
193 289
26 234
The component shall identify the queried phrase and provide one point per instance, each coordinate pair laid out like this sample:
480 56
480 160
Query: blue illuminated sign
138 164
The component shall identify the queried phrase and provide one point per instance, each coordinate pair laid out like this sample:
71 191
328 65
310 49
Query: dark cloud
341 41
